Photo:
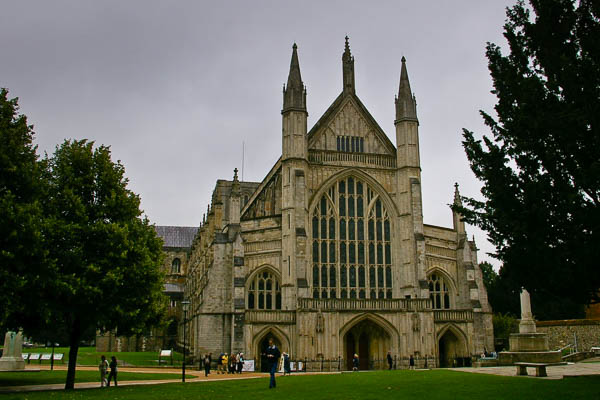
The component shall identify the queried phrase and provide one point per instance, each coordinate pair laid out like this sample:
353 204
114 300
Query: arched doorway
264 343
452 349
370 341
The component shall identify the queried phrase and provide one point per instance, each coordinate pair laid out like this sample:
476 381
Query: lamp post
185 304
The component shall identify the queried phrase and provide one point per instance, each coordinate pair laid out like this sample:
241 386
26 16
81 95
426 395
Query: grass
430 385
89 356
47 377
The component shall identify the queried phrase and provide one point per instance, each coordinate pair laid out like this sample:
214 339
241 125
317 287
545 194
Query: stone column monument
528 345
527 324
12 359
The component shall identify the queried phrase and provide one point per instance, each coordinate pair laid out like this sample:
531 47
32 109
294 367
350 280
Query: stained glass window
351 234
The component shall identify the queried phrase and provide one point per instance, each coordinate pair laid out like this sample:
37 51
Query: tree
105 269
540 168
21 244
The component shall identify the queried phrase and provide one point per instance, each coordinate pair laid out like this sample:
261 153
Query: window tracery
439 292
264 292
351 243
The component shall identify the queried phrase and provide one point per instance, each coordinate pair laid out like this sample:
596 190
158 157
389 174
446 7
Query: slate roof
177 236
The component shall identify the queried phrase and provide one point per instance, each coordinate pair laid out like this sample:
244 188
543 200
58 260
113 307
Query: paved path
198 377
590 367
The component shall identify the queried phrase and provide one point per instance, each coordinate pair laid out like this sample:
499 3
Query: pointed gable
348 117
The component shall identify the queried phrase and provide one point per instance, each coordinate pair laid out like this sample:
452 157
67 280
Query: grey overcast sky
176 87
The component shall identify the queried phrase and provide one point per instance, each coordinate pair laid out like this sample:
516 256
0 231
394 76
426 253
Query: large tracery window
351 243
438 292
264 292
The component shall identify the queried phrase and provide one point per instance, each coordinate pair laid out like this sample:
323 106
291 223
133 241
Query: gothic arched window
351 243
176 266
264 292
438 292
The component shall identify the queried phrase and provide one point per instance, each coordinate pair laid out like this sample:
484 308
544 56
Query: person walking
113 370
207 360
389 360
103 367
273 355
355 362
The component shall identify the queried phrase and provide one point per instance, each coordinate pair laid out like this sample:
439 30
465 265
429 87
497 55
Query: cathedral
328 255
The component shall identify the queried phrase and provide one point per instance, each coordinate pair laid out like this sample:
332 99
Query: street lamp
185 304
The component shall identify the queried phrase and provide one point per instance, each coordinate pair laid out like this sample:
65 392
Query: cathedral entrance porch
452 349
261 342
370 341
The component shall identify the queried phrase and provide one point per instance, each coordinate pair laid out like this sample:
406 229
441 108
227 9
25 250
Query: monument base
546 357
12 364
528 342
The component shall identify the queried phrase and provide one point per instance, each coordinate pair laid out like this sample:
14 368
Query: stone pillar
12 358
527 324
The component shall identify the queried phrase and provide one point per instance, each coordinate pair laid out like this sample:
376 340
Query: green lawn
416 385
46 377
89 356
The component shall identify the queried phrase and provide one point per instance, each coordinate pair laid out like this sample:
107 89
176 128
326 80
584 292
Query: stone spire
406 104
348 69
457 200
235 186
458 223
294 93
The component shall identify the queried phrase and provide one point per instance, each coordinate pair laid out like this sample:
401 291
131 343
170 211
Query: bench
540 368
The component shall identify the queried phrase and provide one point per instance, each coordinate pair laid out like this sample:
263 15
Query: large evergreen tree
540 168
105 269
21 244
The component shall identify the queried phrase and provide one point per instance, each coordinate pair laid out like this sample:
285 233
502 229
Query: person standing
207 360
103 367
286 364
355 362
240 363
411 362
389 360
225 363
113 370
273 355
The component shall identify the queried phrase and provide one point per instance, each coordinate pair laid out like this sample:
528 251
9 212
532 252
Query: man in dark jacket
389 360
273 355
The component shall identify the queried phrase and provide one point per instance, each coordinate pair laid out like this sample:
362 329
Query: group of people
104 366
226 364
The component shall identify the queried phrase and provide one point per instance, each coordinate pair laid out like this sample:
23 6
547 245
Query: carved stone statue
320 325
12 358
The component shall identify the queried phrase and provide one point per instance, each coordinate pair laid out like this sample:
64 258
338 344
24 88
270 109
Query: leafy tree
21 244
540 168
105 269
489 275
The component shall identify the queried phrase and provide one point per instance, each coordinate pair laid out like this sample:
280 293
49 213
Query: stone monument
528 345
12 360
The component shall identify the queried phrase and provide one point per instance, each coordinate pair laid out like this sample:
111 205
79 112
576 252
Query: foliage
21 249
504 325
541 168
104 258
489 275
431 385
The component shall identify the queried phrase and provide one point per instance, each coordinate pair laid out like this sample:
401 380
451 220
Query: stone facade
328 254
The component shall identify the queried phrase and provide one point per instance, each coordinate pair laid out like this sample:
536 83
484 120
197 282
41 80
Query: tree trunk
74 339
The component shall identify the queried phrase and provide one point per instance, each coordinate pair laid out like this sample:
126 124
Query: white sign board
248 366
300 366
34 356
165 353
25 356
46 356
58 356
292 366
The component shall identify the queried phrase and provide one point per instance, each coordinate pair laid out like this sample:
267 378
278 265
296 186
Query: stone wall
561 333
